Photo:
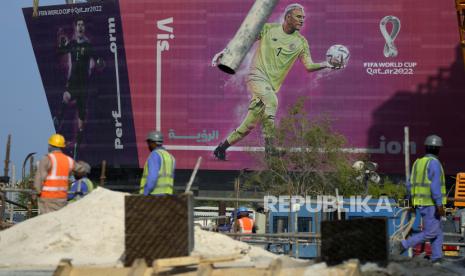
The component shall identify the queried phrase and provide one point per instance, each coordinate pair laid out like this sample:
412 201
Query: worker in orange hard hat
51 179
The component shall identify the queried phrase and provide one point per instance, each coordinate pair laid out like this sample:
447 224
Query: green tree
387 188
305 158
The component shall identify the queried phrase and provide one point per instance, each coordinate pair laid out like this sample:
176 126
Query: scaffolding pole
460 7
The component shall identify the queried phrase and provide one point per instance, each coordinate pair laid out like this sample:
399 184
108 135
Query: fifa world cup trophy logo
390 49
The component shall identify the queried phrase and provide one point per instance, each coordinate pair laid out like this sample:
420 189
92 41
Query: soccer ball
338 55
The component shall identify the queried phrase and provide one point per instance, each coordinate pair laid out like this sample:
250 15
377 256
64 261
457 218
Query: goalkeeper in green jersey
280 46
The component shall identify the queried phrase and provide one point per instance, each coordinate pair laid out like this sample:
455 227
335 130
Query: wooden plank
64 268
138 268
222 259
239 271
161 264
275 267
205 269
178 261
101 271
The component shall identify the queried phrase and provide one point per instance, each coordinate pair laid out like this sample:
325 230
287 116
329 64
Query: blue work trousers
432 230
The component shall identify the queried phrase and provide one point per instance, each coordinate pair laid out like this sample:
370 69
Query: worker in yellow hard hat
51 179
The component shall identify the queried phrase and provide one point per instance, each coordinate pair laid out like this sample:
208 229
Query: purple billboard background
109 129
170 44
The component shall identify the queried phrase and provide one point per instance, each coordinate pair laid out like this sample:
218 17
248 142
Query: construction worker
244 223
82 185
158 175
280 45
427 189
51 179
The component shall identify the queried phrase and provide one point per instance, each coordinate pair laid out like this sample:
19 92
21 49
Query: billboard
80 54
405 69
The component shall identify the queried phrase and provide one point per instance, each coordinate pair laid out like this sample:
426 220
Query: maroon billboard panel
405 69
79 51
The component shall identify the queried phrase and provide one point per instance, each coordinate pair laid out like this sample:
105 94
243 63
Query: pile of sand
210 244
91 232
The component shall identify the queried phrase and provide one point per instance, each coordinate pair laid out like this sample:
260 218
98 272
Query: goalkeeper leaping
279 47
81 62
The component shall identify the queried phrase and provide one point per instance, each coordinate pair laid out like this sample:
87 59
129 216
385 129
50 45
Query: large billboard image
404 69
80 54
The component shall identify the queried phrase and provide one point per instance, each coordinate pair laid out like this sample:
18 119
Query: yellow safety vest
421 184
165 179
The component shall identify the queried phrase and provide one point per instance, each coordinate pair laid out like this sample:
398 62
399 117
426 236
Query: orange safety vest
246 225
56 182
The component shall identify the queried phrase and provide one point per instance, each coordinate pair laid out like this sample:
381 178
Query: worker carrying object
82 185
51 179
427 190
158 175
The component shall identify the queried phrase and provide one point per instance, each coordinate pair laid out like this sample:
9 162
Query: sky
24 110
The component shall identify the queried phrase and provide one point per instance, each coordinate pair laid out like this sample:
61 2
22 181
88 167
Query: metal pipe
2 205
194 173
407 154
23 174
229 199
221 212
102 173
13 175
15 203
462 223
7 156
18 190
317 231
246 35
302 242
31 167
276 235
215 217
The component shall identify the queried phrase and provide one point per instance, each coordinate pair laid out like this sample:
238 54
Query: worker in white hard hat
158 174
51 179
427 189
82 185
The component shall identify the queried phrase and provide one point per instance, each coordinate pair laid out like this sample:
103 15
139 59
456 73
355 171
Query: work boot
438 262
398 248
220 151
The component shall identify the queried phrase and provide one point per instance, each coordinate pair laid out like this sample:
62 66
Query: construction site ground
87 238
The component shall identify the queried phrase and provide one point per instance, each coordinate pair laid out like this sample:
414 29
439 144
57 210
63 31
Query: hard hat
155 136
57 140
83 168
434 141
242 209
